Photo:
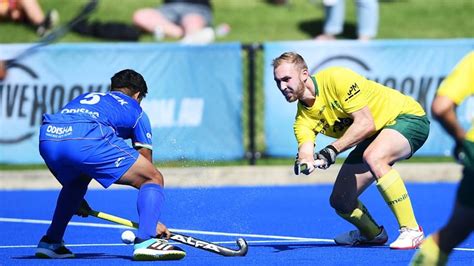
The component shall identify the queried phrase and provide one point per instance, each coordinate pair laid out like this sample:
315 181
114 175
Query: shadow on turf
288 247
88 256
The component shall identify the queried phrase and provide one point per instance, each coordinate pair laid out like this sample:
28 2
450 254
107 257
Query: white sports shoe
157 249
409 238
354 238
204 36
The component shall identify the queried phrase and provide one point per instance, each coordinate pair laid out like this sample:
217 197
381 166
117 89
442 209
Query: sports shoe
408 239
354 238
51 20
49 250
204 36
157 249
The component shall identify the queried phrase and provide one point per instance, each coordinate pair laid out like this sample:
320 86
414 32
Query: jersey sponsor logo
195 243
81 110
353 91
58 132
323 126
321 110
120 100
400 199
119 161
335 105
342 124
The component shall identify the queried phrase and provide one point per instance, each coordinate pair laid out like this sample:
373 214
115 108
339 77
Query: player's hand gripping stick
307 169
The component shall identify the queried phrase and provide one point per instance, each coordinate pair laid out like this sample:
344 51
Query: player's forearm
306 151
362 127
353 136
450 123
444 111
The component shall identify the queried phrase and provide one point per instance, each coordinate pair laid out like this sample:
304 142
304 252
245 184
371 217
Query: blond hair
292 58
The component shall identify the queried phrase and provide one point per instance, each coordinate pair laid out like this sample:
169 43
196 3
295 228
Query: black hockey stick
55 34
188 240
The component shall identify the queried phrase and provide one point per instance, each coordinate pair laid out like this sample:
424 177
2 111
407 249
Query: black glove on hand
327 154
296 167
458 152
301 168
83 209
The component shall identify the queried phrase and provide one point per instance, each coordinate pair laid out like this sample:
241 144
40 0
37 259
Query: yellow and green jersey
340 92
459 85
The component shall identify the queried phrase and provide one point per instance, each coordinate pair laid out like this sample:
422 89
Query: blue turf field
290 225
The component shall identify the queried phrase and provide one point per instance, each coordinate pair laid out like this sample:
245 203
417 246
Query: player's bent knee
157 179
341 204
374 160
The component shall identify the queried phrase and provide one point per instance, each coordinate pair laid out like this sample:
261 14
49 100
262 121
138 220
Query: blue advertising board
194 101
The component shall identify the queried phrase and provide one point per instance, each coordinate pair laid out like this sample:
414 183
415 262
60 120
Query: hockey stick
299 168
188 240
55 34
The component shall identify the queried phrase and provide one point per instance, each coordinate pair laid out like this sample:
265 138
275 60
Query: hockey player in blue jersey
85 141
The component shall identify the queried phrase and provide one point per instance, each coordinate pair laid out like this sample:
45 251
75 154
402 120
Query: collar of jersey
316 90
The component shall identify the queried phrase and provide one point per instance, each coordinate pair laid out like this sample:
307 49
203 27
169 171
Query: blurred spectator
29 11
367 19
188 20
3 70
279 2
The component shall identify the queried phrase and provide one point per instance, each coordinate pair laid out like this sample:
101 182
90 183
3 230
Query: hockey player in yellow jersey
384 125
456 88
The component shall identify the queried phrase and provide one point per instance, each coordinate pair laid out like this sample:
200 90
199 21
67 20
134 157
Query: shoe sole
406 248
48 254
166 256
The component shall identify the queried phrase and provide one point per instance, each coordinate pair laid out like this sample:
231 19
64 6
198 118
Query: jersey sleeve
303 128
351 89
142 136
460 83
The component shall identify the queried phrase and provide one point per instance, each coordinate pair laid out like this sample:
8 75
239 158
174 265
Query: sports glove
83 209
328 155
302 167
458 152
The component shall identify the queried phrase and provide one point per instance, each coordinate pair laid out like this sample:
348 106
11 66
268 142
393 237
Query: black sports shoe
49 250
157 249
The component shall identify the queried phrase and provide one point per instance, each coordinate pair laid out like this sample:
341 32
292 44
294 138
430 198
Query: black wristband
333 149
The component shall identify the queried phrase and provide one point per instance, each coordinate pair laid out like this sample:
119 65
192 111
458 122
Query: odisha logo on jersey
59 130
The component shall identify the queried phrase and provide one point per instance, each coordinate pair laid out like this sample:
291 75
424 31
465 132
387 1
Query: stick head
243 247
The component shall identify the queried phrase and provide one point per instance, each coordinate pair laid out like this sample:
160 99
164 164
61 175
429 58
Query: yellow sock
360 217
429 254
394 192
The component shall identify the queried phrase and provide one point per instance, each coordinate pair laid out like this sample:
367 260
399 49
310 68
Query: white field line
276 239
197 232
174 243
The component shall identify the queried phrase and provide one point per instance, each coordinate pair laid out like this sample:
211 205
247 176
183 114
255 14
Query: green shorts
414 128
466 187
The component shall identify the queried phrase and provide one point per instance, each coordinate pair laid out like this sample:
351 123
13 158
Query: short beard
297 94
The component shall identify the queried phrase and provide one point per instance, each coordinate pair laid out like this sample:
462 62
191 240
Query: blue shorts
92 149
175 12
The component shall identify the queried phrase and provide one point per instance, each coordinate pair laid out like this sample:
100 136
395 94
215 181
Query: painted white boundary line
276 239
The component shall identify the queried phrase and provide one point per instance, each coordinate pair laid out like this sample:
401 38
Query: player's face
289 81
